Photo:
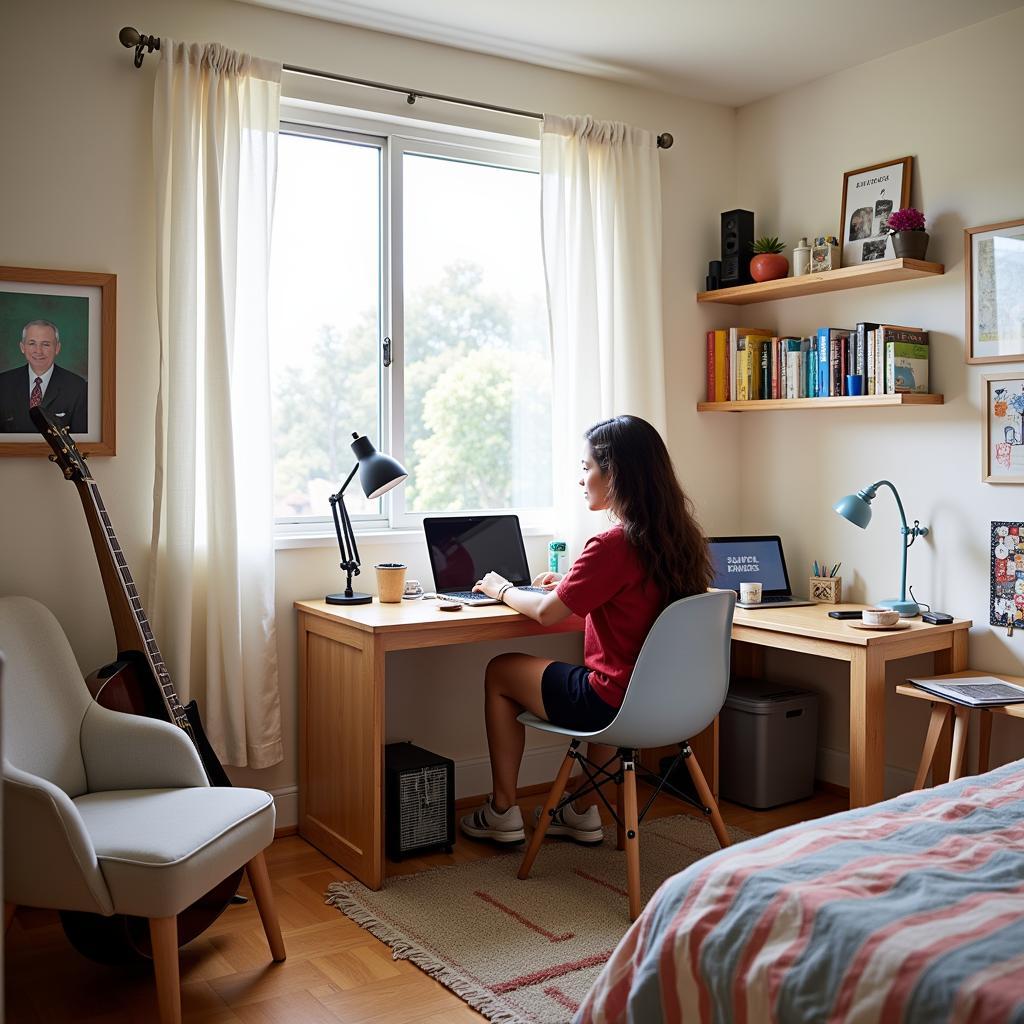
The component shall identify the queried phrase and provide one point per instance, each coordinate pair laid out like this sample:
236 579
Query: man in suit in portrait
62 394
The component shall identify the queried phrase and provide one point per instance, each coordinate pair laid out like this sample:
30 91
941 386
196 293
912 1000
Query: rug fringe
341 896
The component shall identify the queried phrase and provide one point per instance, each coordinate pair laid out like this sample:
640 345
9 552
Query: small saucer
902 624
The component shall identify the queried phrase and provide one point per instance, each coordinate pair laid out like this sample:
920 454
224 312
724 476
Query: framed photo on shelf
870 194
994 273
1002 405
57 347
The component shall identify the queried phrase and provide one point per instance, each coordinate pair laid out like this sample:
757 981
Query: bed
910 910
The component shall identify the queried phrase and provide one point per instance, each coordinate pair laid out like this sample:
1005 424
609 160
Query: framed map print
994 274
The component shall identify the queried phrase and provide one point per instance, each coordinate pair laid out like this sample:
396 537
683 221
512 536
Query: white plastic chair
677 688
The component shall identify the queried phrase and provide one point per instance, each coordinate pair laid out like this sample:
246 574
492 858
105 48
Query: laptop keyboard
475 597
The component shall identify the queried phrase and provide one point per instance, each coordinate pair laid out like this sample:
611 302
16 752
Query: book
869 382
865 359
721 366
709 366
906 360
828 344
980 691
742 367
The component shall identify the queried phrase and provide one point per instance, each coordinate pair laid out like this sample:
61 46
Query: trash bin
768 737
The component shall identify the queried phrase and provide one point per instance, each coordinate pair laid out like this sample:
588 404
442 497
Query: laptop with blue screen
463 549
737 560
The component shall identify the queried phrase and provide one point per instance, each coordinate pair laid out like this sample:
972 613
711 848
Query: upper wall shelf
860 276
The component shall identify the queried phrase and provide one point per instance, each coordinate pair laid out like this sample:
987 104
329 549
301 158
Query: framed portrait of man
57 348
870 194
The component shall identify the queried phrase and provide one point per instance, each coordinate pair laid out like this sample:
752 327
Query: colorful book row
749 363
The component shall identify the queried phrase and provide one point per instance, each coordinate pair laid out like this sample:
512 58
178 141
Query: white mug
750 593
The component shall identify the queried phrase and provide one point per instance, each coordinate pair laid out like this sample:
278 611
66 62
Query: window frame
396 138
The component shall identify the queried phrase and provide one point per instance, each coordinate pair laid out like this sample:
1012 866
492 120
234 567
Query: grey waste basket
768 735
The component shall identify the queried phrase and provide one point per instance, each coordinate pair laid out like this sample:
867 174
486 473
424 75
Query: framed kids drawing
1006 604
870 194
1002 406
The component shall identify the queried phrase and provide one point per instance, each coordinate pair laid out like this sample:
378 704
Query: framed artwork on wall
870 194
1006 562
994 276
57 350
1002 406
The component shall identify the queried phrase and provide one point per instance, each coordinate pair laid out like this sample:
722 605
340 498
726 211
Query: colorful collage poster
1007 593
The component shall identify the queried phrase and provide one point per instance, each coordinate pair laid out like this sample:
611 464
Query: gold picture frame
993 255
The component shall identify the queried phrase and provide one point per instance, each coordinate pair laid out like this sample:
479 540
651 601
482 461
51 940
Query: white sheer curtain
601 213
211 594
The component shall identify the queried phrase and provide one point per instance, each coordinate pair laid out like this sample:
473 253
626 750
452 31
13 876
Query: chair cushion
161 849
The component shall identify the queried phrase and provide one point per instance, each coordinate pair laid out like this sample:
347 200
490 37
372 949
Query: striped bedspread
910 910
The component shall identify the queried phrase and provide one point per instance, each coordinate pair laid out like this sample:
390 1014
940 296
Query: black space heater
419 801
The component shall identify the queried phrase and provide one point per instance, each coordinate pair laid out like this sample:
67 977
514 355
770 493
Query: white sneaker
487 823
568 823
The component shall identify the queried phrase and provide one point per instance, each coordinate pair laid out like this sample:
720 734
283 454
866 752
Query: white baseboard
286 804
834 766
540 764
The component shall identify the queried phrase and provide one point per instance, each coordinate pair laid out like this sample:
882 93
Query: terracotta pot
911 245
769 266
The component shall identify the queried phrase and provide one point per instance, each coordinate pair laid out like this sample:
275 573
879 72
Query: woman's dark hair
657 517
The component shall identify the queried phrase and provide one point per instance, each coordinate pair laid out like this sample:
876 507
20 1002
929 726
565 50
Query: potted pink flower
909 238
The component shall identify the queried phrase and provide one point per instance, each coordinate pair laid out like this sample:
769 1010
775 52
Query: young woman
656 554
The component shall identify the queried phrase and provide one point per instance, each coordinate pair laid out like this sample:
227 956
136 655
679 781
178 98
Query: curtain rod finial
129 36
665 141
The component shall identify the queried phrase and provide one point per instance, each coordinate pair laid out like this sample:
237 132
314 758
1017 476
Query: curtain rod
147 44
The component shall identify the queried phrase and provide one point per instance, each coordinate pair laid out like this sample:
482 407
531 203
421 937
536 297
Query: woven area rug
523 952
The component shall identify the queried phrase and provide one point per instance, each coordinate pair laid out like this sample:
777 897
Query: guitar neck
132 630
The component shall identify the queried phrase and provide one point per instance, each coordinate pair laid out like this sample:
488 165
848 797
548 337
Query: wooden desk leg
746 660
935 725
952 659
867 727
956 760
984 739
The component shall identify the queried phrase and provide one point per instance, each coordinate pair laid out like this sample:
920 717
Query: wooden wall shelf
861 276
764 405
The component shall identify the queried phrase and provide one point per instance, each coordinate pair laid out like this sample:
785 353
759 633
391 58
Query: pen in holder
827 589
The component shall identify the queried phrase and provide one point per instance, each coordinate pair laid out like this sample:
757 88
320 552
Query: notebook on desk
463 549
739 560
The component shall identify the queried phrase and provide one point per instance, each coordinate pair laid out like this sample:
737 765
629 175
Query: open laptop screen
739 560
463 548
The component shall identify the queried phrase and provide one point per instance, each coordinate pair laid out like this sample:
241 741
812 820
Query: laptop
463 549
739 560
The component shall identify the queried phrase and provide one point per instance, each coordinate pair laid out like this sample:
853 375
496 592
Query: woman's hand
547 580
490 584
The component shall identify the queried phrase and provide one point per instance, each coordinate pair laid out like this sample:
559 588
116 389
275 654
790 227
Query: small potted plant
768 263
909 238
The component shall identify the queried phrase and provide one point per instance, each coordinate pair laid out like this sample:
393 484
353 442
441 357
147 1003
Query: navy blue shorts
570 701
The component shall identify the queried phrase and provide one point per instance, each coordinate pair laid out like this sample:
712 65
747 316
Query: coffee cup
413 590
750 593
390 581
880 616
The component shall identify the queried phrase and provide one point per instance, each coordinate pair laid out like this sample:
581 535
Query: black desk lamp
378 473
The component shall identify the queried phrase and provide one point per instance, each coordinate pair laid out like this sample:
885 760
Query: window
407 303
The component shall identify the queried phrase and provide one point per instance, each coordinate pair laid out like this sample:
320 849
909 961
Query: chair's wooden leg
707 799
632 834
620 826
984 740
554 795
259 879
956 757
163 933
9 909
931 740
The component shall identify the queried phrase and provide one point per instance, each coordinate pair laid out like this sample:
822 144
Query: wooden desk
811 631
342 676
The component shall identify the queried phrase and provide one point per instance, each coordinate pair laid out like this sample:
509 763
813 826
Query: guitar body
137 684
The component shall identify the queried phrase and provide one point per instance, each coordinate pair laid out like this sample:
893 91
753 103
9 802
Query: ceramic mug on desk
750 593
390 582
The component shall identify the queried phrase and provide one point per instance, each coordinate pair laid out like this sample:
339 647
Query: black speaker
737 238
419 801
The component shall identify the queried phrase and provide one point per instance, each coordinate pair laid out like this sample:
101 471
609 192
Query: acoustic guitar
137 683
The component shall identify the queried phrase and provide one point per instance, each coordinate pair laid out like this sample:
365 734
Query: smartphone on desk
845 614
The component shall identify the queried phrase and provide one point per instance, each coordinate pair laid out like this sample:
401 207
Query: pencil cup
390 582
827 589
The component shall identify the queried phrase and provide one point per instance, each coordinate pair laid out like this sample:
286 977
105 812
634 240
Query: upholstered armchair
110 813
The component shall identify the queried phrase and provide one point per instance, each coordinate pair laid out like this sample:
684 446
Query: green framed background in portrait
878 190
994 279
84 308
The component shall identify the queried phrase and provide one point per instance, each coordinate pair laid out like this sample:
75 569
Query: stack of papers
975 692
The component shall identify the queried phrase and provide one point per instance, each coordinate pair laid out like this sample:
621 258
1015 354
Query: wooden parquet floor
335 970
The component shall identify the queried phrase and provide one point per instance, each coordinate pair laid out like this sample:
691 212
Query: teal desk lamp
857 508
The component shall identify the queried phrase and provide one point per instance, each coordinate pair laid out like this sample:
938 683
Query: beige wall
953 105
77 195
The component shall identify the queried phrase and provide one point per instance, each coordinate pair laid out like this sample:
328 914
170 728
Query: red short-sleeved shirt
608 585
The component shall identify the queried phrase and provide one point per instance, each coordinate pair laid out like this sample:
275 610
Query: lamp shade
378 473
855 508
